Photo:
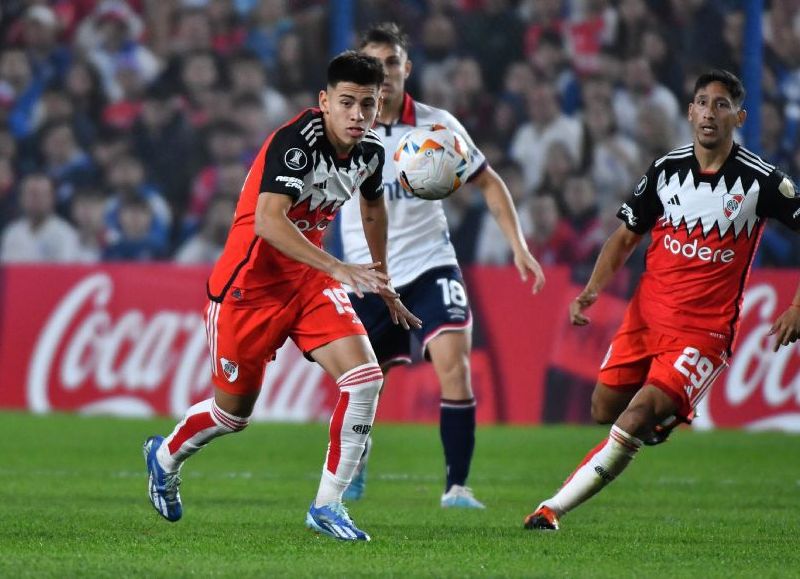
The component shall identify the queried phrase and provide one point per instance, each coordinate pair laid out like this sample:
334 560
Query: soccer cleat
355 490
460 498
332 520
662 431
543 519
162 485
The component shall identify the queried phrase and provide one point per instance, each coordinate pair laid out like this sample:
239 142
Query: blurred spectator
88 215
292 71
83 87
776 144
64 160
498 32
227 32
547 125
270 22
551 64
544 16
551 239
206 246
490 245
582 213
439 46
20 90
39 235
136 240
165 142
559 166
612 158
471 103
250 115
248 76
633 21
40 35
8 179
663 60
126 181
200 74
465 212
110 38
641 90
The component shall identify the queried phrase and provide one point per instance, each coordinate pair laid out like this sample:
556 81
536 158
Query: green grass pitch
73 504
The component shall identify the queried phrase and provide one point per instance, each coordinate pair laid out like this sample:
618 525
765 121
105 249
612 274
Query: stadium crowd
126 127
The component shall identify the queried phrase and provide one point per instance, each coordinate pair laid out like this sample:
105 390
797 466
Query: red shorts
243 338
684 368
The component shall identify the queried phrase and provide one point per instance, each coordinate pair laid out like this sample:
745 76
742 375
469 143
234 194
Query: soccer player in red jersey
705 206
274 281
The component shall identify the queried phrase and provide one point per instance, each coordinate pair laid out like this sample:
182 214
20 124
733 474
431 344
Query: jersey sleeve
287 161
779 200
372 187
643 207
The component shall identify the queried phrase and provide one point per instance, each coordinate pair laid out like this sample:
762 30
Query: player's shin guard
349 428
202 423
601 466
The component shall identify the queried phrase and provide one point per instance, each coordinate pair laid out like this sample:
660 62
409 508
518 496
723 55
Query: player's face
349 110
714 116
396 68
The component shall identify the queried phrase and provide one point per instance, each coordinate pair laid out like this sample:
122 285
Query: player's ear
741 117
408 68
689 112
323 101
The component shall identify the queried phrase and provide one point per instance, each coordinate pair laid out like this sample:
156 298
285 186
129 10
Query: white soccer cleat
460 498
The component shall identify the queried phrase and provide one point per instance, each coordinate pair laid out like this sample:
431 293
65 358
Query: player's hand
786 328
361 277
400 313
578 305
525 263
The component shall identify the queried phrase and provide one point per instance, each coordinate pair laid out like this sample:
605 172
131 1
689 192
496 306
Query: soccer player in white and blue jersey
424 269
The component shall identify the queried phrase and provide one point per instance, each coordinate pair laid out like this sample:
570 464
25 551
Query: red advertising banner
130 340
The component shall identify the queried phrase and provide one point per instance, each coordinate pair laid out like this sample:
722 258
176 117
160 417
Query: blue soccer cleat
162 485
459 497
332 520
355 490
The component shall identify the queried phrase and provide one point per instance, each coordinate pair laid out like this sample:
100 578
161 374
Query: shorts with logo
438 297
243 337
682 367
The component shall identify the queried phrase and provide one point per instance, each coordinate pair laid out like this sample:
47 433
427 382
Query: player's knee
363 382
638 418
602 414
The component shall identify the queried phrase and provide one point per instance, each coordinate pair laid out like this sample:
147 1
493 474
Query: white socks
202 423
350 425
602 465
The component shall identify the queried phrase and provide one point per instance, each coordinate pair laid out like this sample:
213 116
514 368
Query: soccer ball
431 161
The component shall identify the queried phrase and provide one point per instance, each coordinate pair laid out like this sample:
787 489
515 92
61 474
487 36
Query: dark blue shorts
438 297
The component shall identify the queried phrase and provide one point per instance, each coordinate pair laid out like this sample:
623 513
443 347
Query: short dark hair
728 79
351 66
385 33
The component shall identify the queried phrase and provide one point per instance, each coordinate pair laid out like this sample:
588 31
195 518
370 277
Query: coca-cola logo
761 389
96 354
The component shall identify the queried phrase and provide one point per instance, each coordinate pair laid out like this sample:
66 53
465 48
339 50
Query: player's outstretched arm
499 202
616 251
274 227
375 220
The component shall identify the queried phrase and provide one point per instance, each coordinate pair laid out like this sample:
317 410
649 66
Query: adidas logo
674 201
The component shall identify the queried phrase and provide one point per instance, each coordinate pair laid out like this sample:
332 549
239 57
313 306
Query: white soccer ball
431 161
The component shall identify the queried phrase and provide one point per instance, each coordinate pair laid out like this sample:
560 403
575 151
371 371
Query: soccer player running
705 206
422 263
274 281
